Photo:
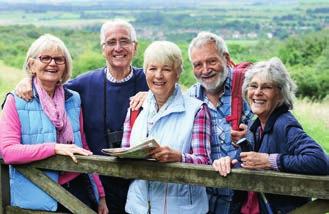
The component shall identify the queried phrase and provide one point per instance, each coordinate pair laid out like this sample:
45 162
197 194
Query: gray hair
49 42
204 38
274 71
164 52
114 23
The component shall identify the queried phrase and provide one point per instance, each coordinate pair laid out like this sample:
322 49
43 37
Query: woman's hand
236 135
137 100
102 207
223 165
70 150
165 154
24 89
255 160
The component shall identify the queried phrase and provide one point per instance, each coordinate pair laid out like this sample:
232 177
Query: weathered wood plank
240 179
16 210
314 207
4 187
55 190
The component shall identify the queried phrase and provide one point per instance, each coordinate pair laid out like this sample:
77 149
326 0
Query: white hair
206 37
114 23
272 70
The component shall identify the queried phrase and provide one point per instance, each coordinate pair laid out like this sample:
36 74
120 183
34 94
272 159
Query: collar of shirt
152 109
113 80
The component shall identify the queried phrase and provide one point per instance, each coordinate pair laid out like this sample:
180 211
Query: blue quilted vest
36 128
173 128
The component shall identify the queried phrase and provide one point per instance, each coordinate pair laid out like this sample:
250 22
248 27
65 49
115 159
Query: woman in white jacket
180 124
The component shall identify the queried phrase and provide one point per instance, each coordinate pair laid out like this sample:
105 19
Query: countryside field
9 77
313 116
295 33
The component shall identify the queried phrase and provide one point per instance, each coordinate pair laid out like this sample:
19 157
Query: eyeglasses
266 87
122 43
46 59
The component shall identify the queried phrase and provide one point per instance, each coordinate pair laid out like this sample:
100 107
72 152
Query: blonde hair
49 42
164 52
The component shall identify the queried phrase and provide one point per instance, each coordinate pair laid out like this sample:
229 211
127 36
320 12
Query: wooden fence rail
240 179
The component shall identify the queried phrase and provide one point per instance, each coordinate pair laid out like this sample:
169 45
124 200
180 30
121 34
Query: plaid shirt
221 145
200 145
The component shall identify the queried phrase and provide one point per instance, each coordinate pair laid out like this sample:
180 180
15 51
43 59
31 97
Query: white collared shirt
113 80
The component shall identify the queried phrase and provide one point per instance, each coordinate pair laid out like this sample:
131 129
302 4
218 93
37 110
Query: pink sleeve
125 142
12 151
99 185
98 182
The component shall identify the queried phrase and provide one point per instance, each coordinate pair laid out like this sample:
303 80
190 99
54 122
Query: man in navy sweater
105 94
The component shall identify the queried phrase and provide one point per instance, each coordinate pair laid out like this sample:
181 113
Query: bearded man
212 68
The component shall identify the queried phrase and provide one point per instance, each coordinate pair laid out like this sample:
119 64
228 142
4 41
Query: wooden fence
316 187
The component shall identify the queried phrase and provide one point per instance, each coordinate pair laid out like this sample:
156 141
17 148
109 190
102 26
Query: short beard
218 85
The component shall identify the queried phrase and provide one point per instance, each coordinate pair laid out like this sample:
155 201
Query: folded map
140 151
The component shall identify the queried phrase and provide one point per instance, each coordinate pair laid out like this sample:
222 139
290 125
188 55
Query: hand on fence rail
70 150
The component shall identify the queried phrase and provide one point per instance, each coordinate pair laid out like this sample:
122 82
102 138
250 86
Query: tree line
306 56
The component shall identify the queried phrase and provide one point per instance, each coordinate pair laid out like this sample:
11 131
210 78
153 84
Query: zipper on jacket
165 209
190 190
149 207
148 198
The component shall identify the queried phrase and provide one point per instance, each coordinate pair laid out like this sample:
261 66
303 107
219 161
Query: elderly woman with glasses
277 139
180 124
51 123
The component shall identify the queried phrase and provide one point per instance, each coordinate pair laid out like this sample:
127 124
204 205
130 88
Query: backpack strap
133 116
236 99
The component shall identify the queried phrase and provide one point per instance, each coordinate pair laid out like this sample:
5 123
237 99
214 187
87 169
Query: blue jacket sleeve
303 155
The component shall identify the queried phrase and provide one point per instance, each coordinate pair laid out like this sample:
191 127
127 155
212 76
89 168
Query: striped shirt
113 80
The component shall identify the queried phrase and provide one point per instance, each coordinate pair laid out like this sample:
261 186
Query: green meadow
295 31
313 116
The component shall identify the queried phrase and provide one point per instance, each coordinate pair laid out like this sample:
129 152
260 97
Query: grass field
9 77
314 117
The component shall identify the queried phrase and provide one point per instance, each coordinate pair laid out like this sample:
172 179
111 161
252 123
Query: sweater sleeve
73 84
96 178
83 135
12 151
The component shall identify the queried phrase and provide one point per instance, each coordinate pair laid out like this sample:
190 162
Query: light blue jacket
36 128
171 126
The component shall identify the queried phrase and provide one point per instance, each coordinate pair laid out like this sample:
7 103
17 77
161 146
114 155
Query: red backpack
133 115
236 99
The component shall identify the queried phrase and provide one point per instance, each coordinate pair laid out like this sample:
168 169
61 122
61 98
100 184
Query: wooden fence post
55 190
4 187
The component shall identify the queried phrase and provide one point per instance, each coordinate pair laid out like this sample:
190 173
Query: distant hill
176 19
142 3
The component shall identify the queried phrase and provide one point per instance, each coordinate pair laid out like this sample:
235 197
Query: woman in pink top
50 124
